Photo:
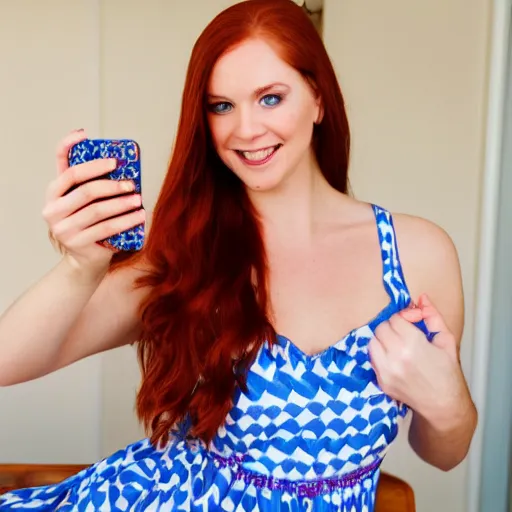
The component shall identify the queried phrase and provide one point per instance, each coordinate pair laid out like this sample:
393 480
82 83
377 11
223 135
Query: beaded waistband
303 488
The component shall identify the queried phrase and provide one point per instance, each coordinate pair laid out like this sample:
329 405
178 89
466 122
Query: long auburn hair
208 303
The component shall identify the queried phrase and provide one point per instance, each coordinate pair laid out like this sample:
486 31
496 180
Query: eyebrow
258 92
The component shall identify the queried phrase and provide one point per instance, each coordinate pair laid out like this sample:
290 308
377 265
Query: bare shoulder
424 238
431 265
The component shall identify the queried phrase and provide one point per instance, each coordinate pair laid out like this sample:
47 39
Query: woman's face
261 114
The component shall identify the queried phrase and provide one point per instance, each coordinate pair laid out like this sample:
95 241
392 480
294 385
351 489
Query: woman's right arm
78 308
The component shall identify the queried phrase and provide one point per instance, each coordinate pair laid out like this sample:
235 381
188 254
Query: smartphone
127 154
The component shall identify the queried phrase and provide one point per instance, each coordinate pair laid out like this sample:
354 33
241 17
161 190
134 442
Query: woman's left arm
427 375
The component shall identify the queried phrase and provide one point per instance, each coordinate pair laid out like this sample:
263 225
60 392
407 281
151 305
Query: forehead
247 67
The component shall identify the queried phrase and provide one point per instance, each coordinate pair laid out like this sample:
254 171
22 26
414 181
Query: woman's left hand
424 375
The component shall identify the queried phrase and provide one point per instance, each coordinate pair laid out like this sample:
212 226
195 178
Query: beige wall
414 79
47 86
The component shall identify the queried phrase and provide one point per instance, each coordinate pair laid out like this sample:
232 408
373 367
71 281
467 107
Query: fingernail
128 186
113 163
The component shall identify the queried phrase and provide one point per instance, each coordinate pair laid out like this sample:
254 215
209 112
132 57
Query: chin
261 183
262 187
263 178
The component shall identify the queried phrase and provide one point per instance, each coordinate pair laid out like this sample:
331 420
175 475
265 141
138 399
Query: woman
257 261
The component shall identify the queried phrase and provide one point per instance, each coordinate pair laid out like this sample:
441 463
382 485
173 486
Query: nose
249 125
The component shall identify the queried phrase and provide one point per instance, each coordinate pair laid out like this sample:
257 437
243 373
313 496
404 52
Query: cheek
283 124
295 121
296 126
219 131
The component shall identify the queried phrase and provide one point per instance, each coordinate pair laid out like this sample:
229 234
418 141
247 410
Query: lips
258 157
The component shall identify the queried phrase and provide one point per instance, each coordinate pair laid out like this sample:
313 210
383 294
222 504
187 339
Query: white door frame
501 24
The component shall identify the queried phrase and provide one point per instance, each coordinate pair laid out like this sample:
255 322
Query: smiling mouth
258 157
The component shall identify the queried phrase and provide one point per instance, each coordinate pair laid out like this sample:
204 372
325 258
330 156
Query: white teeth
256 156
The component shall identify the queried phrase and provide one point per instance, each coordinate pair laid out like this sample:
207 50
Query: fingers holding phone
94 206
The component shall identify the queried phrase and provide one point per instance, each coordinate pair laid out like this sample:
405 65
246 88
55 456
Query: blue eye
220 108
271 100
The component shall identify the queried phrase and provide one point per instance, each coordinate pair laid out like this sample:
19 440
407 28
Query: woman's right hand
76 221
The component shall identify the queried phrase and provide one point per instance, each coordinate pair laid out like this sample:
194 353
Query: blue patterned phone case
127 153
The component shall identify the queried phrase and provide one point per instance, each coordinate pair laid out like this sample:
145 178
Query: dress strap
393 276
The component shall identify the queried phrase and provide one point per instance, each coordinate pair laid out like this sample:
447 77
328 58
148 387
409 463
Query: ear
319 110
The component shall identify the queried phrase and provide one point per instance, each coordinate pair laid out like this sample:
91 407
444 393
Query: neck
292 210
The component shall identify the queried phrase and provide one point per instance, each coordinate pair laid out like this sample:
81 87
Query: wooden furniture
393 494
17 476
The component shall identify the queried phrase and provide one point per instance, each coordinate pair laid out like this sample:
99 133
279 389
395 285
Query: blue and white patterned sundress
309 434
